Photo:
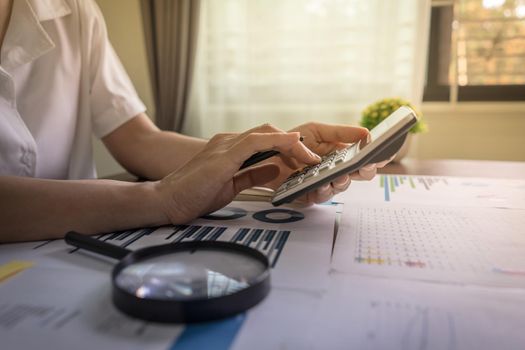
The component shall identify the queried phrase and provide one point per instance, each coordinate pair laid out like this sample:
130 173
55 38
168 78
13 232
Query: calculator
382 143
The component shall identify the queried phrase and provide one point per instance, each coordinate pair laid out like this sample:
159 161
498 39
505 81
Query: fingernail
369 167
341 182
315 155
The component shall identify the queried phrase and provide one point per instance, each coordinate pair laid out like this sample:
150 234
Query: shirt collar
26 38
46 10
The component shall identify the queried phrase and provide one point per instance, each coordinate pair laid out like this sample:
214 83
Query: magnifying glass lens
187 275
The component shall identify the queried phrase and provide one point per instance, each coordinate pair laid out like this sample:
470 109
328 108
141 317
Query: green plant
379 110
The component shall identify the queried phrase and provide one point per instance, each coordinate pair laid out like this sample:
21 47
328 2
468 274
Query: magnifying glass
184 282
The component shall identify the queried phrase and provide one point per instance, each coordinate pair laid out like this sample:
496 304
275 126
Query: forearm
32 209
161 153
144 150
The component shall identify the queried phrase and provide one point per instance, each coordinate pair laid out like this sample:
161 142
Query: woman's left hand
322 139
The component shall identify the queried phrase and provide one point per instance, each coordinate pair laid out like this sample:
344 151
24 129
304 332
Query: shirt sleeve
113 99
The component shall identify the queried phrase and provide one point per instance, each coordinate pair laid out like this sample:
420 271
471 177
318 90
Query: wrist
173 205
150 203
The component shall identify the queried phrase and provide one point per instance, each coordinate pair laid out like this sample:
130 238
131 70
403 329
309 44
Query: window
477 51
290 61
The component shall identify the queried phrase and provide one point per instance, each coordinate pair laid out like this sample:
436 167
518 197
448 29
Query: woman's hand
322 139
211 179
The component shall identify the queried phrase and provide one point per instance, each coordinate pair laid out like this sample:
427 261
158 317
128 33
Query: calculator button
325 163
295 174
311 172
306 169
325 166
340 157
281 189
294 182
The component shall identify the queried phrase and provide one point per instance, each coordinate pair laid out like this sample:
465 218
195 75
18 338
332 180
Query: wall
124 22
494 131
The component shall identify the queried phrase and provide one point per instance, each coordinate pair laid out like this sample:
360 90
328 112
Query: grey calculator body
384 141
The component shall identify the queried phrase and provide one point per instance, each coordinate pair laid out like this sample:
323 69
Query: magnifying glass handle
95 246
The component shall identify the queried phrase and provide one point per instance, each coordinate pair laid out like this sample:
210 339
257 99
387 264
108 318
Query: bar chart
270 242
391 183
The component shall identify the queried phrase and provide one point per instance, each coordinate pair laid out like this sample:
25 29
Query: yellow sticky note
12 268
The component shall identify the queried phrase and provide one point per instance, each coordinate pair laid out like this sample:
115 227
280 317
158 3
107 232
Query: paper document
367 313
297 241
49 308
280 321
437 190
426 262
482 246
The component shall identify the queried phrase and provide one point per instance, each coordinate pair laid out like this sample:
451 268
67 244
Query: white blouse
60 81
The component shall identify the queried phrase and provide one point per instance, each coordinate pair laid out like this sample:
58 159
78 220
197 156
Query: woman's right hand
211 179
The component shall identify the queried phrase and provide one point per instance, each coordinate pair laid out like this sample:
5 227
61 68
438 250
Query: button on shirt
60 81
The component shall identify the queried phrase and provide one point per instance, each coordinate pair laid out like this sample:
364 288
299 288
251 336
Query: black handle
95 246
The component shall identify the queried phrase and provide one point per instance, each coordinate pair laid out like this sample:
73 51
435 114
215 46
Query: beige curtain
170 28
287 62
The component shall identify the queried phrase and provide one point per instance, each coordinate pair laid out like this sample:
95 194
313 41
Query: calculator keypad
328 162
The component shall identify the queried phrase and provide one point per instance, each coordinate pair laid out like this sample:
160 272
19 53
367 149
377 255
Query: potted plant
379 110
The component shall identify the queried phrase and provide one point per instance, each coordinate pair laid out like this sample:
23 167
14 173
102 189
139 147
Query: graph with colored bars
389 183
269 242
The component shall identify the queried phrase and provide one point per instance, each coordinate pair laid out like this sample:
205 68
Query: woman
61 81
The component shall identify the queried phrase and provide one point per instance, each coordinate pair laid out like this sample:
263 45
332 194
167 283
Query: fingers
337 132
327 191
264 128
302 153
365 173
341 183
323 193
289 162
265 138
385 162
246 145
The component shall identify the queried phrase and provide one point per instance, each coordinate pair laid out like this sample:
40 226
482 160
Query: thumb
255 176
